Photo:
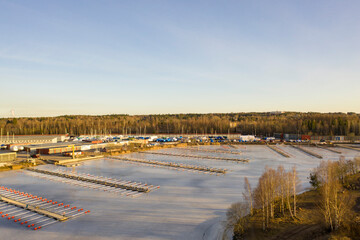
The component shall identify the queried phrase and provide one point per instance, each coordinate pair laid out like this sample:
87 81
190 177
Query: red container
305 137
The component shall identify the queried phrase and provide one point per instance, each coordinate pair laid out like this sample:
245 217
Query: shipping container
305 137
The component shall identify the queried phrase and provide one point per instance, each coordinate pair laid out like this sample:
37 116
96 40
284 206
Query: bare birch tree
334 202
236 219
295 184
248 196
260 200
281 176
288 191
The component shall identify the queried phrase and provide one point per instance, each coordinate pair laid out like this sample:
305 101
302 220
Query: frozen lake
188 205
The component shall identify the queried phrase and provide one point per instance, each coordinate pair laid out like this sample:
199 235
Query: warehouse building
53 148
7 157
31 139
64 147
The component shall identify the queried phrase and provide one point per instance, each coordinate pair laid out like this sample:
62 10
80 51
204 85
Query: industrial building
7 157
54 147
63 147
31 139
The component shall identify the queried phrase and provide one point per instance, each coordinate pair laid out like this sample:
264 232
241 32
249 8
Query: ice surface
188 205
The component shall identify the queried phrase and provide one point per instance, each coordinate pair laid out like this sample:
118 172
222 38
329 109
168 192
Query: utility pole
73 150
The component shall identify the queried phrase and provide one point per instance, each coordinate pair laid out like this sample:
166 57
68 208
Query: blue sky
142 57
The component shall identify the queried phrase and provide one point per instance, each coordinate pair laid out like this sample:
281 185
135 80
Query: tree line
264 124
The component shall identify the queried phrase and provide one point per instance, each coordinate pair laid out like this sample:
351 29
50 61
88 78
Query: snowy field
188 205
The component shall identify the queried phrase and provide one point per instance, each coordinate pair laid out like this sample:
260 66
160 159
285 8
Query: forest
261 124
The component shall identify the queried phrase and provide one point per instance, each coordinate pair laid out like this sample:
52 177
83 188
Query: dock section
328 149
197 156
211 151
33 208
172 165
95 180
307 151
33 211
122 188
348 147
278 150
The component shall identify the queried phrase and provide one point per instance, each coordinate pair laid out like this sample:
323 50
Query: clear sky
152 56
